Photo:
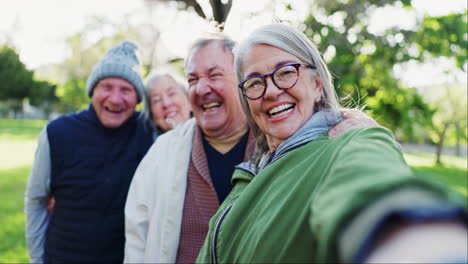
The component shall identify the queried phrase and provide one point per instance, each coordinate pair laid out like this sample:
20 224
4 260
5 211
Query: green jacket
301 207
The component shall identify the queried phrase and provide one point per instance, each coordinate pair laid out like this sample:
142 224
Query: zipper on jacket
214 237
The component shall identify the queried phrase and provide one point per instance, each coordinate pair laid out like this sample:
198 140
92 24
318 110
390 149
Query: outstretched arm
35 200
435 241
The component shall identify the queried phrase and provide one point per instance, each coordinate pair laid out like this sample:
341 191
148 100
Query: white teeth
115 110
279 108
170 122
210 105
171 114
282 113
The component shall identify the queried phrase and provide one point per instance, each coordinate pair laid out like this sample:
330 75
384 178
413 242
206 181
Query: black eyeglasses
284 77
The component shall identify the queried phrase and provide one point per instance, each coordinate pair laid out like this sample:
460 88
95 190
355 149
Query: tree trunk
458 144
220 11
440 145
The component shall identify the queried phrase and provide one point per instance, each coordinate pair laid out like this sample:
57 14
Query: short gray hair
146 110
296 43
225 42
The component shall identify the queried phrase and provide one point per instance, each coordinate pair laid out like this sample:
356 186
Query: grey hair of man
225 42
296 43
146 110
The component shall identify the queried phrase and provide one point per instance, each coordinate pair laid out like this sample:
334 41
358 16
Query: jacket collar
318 124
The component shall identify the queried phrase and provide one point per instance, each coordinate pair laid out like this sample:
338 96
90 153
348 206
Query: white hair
296 43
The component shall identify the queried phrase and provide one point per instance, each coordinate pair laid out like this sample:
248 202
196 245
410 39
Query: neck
225 143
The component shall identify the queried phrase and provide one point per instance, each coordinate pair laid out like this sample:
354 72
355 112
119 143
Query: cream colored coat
155 202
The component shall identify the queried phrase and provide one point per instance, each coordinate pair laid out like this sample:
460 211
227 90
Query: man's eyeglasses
284 77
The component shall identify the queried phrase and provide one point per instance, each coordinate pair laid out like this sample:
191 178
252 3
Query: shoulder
67 118
184 130
365 137
181 136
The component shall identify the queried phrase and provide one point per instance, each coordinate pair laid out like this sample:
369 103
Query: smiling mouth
210 106
280 110
171 114
114 110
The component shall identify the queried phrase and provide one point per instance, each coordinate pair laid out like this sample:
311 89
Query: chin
210 125
113 123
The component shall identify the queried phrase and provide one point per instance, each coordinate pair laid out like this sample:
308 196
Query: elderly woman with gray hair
306 198
166 102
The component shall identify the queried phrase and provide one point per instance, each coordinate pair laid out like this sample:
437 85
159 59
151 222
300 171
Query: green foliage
16 81
72 96
363 61
444 36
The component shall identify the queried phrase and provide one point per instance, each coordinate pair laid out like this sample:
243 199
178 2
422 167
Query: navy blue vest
92 167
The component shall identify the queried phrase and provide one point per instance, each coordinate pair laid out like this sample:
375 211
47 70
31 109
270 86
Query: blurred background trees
363 61
366 62
18 84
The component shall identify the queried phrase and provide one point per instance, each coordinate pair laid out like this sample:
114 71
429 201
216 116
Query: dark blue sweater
92 167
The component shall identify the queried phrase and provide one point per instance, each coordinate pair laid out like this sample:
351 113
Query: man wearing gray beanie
86 161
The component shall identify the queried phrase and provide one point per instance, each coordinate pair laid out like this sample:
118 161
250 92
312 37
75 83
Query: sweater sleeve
366 168
137 211
35 200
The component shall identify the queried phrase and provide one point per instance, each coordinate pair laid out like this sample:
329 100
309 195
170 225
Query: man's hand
353 118
51 204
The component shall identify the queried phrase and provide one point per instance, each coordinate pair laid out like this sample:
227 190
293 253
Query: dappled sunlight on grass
452 172
428 160
20 129
16 153
455 177
18 141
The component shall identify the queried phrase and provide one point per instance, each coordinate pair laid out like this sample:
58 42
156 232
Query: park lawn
17 146
12 218
453 171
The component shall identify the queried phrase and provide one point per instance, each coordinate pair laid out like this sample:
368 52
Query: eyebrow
216 67
277 65
210 70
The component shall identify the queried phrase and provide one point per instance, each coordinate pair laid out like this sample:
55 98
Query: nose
271 92
166 101
115 97
202 87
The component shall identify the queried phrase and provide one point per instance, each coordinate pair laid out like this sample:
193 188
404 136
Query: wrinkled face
213 91
280 113
114 100
169 104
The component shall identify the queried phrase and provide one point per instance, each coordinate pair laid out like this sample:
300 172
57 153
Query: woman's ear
318 84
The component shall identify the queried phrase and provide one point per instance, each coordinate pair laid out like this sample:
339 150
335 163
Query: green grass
452 172
12 218
17 146
20 129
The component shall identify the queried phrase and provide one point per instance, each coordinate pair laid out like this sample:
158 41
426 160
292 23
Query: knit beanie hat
120 61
